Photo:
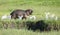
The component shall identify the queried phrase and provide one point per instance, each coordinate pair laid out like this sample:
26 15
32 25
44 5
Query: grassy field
26 32
38 6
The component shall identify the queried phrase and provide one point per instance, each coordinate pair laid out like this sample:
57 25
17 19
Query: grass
39 7
26 32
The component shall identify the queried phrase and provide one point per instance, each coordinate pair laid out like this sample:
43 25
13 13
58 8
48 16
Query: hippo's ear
29 10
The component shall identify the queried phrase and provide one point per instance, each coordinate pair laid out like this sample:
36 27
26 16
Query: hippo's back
18 11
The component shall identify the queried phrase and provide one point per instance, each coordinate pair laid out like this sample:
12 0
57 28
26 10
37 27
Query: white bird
4 17
47 14
56 18
9 16
20 17
52 16
32 17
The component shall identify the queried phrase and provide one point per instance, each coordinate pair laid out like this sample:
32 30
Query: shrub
48 25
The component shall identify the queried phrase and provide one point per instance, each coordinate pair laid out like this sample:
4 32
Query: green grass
39 7
26 32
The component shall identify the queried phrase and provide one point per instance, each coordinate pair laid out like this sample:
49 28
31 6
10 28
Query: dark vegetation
41 25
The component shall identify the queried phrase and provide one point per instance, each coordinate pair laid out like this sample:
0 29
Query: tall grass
26 32
39 7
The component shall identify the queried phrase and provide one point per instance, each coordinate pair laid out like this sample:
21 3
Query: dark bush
41 25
